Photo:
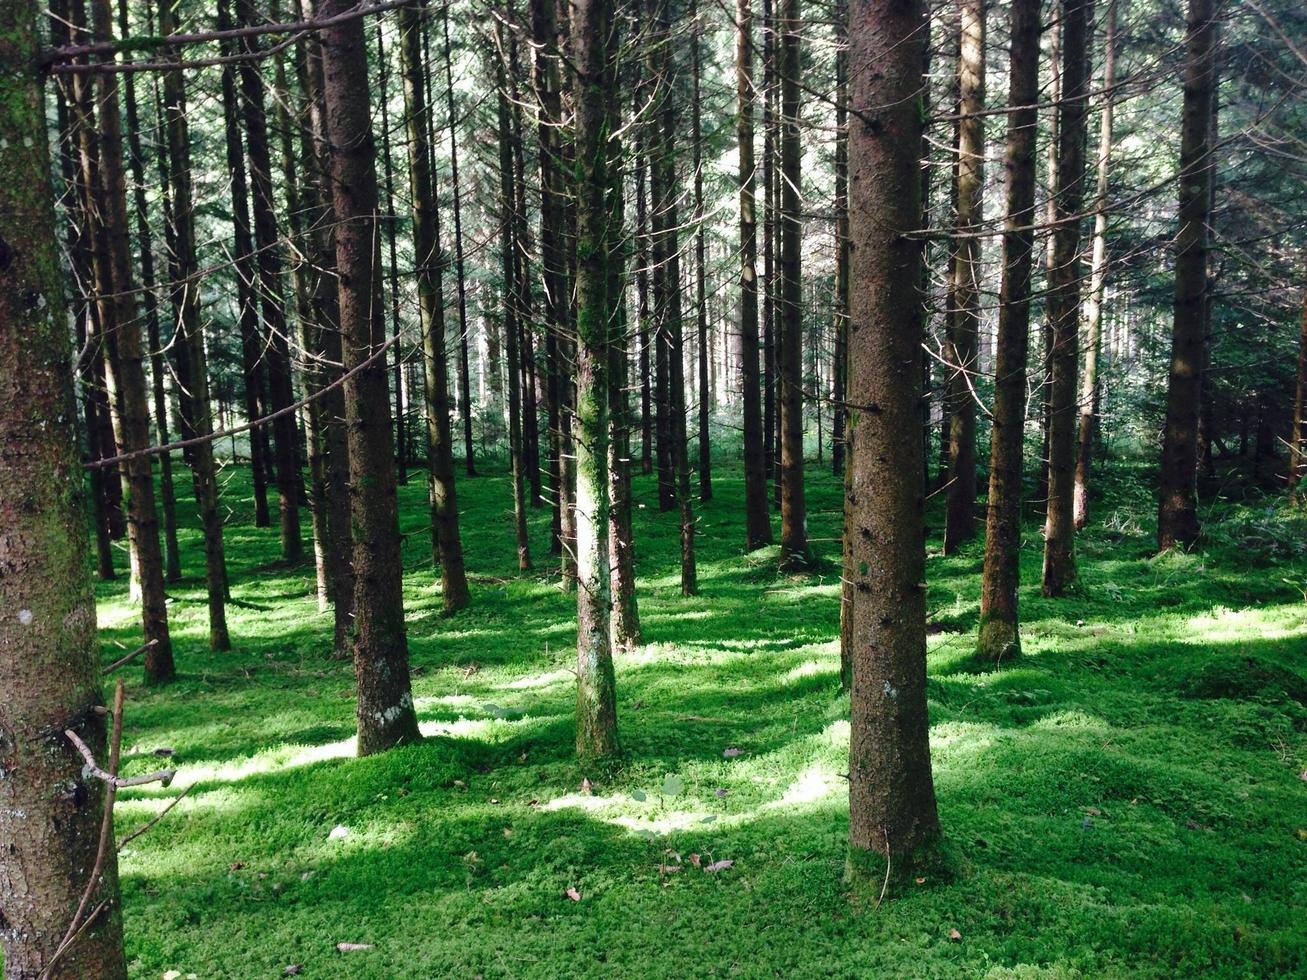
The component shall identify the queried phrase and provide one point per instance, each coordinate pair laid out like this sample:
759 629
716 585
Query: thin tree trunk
700 299
1086 431
392 250
1298 437
1177 514
446 543
464 373
770 415
839 367
191 355
644 310
794 511
999 633
757 531
598 235
891 793
50 809
964 307
1064 299
385 701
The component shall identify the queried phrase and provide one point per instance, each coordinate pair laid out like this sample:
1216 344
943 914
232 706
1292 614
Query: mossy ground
1123 800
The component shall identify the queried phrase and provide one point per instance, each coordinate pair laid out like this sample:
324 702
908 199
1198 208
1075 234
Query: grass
1123 801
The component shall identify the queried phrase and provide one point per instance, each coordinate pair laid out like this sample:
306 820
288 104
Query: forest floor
1127 799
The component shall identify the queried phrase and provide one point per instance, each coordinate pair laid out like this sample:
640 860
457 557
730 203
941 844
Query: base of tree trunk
873 877
999 640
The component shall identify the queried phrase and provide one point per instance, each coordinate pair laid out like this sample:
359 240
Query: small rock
338 832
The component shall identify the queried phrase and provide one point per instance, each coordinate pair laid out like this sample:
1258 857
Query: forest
762 488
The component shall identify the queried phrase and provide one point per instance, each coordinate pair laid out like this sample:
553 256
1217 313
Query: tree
446 541
757 518
1177 512
794 511
597 235
385 701
1298 437
1064 298
999 636
700 302
1086 430
50 809
891 792
964 308
839 369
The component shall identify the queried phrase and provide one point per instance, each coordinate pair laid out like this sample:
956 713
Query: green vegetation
1125 799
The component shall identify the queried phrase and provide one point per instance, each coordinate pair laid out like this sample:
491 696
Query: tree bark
446 541
839 366
1298 436
1064 299
700 297
757 532
795 553
964 308
1086 431
385 701
191 358
50 811
891 792
999 633
598 233
1177 513
270 289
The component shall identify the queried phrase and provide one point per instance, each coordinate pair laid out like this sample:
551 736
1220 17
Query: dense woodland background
394 347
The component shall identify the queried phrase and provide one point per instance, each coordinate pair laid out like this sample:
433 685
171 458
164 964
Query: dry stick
157 817
246 426
111 777
124 661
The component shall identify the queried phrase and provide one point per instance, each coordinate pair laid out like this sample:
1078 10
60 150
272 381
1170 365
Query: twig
164 776
885 886
124 661
157 817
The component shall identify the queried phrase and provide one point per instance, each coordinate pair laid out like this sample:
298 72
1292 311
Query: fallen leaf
1093 811
460 784
731 753
954 935
352 947
716 866
573 894
673 785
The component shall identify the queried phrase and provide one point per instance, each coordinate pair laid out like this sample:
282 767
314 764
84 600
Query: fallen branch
157 817
164 776
124 661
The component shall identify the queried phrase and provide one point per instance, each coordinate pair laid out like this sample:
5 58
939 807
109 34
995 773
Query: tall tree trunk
794 510
769 319
1097 282
50 809
392 250
124 361
464 373
700 298
999 635
964 321
270 288
167 496
446 541
1064 299
191 358
891 793
643 308
839 366
757 530
598 235
1177 513
512 313
385 700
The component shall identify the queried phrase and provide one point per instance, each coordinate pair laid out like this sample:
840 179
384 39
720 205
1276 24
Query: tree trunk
167 496
446 542
1086 431
964 321
644 310
1064 299
50 811
700 297
1177 513
839 366
464 372
512 327
999 635
794 511
392 250
276 348
891 793
191 357
385 701
1298 437
757 517
124 360
598 234
769 318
